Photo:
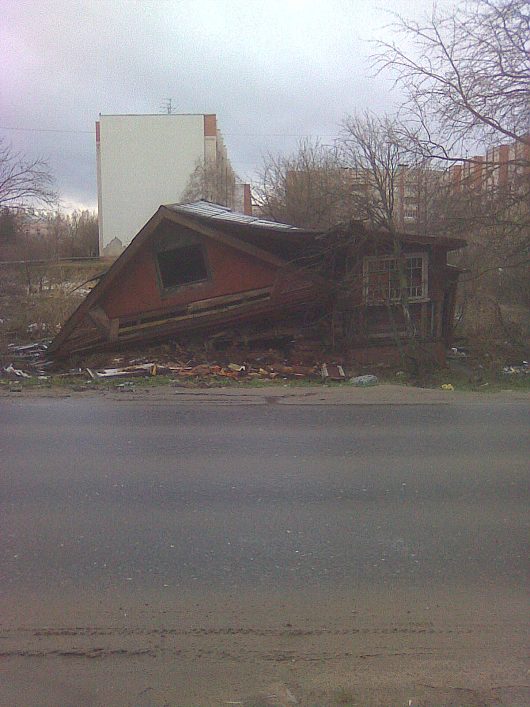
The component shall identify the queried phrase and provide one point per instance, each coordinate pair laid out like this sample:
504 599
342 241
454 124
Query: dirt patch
417 648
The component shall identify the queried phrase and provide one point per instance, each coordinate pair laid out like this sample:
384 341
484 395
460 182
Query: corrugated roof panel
204 208
234 216
216 212
272 224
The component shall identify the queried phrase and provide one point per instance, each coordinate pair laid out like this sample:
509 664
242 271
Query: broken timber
201 268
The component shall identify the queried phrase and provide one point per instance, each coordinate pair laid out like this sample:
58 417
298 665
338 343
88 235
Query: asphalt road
132 533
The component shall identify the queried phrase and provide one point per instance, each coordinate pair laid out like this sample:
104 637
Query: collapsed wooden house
201 268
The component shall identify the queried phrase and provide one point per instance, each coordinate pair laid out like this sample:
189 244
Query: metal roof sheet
216 212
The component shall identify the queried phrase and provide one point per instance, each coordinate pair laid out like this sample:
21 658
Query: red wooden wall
136 290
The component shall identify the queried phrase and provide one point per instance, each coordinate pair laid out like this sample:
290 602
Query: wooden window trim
424 297
169 291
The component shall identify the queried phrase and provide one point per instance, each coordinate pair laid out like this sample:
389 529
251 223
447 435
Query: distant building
147 160
415 191
503 167
335 195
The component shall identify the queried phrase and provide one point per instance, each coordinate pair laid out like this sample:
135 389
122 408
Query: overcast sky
272 70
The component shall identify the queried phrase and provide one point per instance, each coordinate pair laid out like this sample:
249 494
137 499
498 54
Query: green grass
490 383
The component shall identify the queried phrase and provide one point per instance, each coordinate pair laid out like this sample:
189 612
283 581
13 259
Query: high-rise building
504 167
144 161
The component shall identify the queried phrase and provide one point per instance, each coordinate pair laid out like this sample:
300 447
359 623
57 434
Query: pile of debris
192 363
234 371
27 361
517 369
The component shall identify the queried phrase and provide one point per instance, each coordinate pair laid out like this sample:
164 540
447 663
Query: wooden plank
100 319
231 315
438 326
114 329
153 315
190 315
227 299
424 319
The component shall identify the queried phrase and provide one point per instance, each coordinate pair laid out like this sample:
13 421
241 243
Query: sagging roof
284 240
278 244
222 215
278 239
265 240
361 228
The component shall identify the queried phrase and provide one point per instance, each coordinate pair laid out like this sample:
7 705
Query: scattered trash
447 386
361 381
126 386
13 373
519 369
145 369
72 373
15 388
34 328
333 372
34 352
456 352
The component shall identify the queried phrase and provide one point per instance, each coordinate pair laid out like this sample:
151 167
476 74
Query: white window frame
423 297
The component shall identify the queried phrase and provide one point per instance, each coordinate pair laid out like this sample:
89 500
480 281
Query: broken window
382 281
182 266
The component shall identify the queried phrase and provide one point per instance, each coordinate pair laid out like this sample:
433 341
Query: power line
92 132
47 130
277 135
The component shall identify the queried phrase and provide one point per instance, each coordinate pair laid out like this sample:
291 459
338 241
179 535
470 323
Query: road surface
261 551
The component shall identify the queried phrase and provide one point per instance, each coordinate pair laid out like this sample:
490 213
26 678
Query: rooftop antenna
167 106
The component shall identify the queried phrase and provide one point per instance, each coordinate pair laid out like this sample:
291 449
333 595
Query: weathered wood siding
138 291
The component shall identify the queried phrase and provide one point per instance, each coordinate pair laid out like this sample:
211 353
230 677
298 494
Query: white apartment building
144 161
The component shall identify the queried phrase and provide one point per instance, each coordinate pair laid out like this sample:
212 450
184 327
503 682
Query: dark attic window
182 266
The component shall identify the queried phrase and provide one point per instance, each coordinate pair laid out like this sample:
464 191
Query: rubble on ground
456 352
192 363
520 369
201 363
361 381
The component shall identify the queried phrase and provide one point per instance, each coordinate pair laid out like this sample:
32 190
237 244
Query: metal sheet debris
361 381
145 369
13 373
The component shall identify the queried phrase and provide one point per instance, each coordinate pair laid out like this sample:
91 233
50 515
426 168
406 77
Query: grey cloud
270 70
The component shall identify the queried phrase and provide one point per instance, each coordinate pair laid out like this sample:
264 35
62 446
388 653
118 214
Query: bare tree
372 153
391 184
495 222
466 74
306 188
82 234
24 181
211 180
379 161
